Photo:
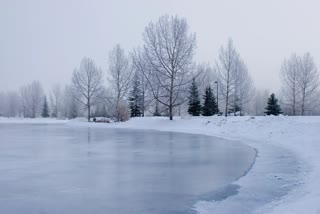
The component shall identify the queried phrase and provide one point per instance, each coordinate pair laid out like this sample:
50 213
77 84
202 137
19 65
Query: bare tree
31 98
226 66
289 78
141 66
69 105
308 82
36 94
169 49
86 83
121 72
55 99
24 102
205 78
300 80
243 86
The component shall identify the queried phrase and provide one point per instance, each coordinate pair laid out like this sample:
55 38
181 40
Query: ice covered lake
57 169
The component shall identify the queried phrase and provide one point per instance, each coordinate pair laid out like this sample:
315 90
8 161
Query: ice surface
56 169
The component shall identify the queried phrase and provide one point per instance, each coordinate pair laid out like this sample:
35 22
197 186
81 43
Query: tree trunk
89 112
303 101
226 109
170 101
227 97
143 97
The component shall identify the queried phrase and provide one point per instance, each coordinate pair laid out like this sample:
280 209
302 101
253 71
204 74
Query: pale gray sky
44 40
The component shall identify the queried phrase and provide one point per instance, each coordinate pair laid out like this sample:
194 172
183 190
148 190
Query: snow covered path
295 138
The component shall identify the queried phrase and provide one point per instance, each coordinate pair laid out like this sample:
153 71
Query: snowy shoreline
279 141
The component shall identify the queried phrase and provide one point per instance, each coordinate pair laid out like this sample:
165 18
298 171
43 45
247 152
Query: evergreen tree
273 108
210 106
135 98
194 100
45 108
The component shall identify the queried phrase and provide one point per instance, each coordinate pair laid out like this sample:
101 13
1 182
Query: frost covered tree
273 108
55 100
31 97
121 72
194 100
69 105
300 80
289 78
235 83
169 49
45 108
87 83
135 98
210 106
243 87
226 66
308 81
141 66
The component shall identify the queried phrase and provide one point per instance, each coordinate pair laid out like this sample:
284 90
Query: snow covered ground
279 141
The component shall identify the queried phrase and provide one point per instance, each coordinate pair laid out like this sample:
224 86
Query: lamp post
216 82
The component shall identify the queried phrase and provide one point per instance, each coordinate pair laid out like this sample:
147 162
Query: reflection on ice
58 169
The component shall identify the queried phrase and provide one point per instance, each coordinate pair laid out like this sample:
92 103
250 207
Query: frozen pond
60 169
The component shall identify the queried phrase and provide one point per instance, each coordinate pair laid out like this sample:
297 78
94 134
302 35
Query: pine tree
135 98
210 106
273 108
194 100
45 109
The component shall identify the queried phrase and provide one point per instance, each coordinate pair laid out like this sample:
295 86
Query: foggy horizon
45 40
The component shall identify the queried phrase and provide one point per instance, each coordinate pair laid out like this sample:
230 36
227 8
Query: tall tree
308 81
121 72
135 98
169 50
45 108
243 87
140 65
289 75
194 100
300 80
31 97
87 83
55 100
69 104
210 106
226 67
273 108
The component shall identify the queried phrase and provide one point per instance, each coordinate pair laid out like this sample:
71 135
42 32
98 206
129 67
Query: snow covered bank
278 139
285 176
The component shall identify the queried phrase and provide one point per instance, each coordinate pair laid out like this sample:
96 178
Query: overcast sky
44 40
